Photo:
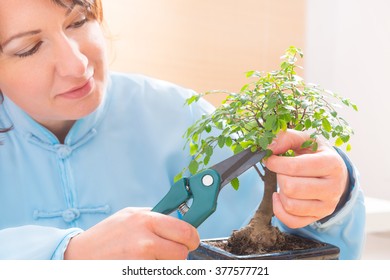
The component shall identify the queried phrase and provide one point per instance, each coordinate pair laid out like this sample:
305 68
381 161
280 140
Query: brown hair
94 7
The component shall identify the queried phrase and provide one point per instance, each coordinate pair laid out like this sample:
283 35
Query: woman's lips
79 91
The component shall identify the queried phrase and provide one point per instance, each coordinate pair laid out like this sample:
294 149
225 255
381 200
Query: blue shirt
125 153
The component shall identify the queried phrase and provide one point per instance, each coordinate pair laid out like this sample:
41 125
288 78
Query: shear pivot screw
207 180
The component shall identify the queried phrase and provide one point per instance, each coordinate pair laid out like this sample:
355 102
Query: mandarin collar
28 127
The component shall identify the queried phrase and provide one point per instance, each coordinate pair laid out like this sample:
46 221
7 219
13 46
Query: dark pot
325 251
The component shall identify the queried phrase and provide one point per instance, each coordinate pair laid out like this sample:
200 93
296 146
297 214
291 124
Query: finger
307 188
154 247
288 140
288 219
168 250
306 207
320 164
176 230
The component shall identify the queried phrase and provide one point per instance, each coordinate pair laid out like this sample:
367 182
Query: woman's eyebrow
19 35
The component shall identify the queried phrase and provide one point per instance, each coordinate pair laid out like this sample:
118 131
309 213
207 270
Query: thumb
288 140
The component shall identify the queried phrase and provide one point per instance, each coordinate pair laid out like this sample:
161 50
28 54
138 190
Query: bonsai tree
251 119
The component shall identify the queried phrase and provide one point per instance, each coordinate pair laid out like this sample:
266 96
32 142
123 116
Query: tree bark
259 233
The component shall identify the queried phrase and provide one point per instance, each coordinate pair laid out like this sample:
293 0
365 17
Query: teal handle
176 196
204 190
204 196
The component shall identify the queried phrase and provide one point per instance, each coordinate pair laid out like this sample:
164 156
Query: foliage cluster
270 102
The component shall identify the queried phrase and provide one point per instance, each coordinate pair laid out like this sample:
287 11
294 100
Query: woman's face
52 60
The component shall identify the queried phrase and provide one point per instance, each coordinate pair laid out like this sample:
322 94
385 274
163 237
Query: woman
89 149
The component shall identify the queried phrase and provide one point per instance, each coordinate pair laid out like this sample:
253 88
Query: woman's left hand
310 183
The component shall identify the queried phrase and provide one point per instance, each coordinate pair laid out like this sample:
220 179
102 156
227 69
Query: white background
348 51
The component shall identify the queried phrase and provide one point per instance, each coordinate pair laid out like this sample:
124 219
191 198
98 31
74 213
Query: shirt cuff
60 250
347 201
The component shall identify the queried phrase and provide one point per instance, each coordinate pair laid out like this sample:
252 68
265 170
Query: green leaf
339 142
221 141
192 99
272 101
326 125
195 137
238 149
235 183
178 177
219 125
338 128
263 142
206 160
245 87
326 134
228 141
282 124
284 65
307 123
246 144
349 147
193 167
270 122
209 150
306 144
250 73
345 138
193 148
315 146
317 115
299 127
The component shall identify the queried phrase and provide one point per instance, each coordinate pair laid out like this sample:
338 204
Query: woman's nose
70 60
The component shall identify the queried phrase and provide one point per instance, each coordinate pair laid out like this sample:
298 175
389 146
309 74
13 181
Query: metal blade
235 165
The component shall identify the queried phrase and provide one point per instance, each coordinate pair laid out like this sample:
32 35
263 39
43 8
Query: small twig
259 172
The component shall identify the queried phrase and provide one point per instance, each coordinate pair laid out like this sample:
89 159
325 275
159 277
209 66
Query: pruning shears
203 188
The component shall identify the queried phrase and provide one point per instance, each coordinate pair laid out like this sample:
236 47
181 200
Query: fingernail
272 145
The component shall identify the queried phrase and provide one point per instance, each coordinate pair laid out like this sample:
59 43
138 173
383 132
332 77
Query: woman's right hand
135 233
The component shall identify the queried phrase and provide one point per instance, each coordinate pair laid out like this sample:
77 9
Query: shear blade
234 166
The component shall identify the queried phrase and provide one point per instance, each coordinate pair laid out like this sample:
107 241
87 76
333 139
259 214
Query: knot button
63 151
70 215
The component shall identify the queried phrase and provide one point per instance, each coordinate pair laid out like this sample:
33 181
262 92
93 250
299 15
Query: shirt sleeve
35 242
346 227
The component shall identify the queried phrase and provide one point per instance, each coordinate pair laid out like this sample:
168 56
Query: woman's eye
31 51
78 23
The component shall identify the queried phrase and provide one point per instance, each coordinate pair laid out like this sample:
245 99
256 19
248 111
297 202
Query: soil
292 242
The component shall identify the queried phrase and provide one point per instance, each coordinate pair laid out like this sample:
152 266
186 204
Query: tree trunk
259 233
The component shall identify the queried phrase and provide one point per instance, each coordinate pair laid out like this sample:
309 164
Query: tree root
247 241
